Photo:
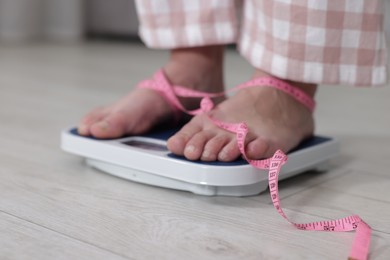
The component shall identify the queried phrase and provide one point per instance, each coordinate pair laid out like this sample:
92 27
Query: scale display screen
146 145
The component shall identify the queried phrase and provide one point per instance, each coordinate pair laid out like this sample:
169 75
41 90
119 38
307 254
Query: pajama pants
311 41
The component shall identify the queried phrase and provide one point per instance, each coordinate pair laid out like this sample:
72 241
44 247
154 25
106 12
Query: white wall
24 20
116 17
64 19
387 19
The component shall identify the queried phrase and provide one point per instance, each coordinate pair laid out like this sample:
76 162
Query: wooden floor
52 206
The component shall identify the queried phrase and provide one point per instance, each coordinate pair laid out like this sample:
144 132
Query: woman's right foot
275 120
199 68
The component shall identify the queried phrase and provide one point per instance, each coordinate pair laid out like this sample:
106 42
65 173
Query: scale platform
146 159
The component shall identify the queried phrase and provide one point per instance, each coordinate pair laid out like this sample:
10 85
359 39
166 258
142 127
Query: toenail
222 156
189 149
103 125
206 154
82 130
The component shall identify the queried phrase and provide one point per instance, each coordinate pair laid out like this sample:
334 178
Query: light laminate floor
52 206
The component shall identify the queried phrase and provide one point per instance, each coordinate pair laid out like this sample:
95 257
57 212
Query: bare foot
197 68
275 121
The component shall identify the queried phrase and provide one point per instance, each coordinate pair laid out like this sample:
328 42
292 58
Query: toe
83 129
195 146
177 143
214 146
258 149
111 126
229 152
90 119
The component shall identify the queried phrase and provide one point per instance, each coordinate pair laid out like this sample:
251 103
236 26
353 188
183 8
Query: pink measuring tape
361 243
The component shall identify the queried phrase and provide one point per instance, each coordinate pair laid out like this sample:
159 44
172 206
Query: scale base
145 159
199 189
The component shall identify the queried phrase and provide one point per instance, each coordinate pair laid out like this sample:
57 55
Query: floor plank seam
65 235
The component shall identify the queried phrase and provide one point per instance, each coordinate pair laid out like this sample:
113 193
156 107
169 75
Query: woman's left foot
275 120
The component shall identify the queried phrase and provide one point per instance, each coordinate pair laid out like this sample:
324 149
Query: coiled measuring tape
361 243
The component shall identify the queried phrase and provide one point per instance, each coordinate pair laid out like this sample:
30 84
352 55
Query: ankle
208 55
308 88
198 68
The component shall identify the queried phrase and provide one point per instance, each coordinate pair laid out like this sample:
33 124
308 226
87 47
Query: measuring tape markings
361 242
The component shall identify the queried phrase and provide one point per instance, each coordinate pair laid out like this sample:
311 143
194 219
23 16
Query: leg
195 31
319 53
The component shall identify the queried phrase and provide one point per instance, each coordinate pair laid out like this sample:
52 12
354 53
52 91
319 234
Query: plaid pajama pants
312 41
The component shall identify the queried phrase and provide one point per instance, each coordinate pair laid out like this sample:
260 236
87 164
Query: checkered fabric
312 41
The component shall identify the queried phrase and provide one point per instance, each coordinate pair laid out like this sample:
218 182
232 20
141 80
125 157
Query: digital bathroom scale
146 159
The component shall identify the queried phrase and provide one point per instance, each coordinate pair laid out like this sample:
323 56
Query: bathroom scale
146 159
